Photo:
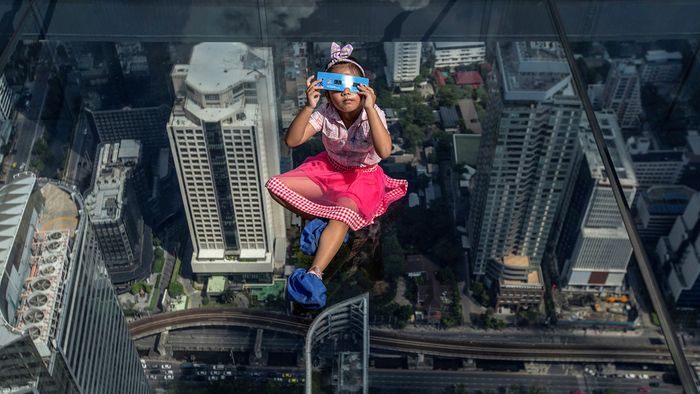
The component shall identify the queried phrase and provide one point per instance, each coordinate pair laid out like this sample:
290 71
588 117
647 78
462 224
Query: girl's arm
301 129
380 135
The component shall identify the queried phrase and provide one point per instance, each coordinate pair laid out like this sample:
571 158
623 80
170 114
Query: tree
227 296
414 135
175 289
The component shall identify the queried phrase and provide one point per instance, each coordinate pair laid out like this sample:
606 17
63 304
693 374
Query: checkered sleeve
316 119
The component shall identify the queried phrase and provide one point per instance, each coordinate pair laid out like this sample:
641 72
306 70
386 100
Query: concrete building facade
224 141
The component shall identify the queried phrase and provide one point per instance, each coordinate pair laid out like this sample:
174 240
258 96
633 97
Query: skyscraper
598 252
115 214
526 156
61 327
402 63
224 140
622 93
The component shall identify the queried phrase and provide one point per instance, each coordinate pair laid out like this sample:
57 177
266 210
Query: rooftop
116 160
615 145
516 261
458 45
217 66
41 294
471 118
532 70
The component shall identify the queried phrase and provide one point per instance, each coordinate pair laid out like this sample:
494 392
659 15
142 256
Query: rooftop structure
532 70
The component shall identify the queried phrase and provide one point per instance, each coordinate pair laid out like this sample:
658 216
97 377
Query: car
654 384
228 373
153 377
643 389
644 376
170 371
166 366
169 377
213 378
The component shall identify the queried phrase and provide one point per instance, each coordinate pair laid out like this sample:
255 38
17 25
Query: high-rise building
61 327
654 166
679 254
402 63
622 93
661 66
224 140
115 214
453 54
657 210
527 154
338 339
595 253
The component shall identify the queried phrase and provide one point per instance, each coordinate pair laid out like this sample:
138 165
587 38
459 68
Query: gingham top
351 147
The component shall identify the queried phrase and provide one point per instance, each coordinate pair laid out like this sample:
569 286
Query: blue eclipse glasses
333 81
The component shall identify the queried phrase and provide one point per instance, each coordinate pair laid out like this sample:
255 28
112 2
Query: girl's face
345 101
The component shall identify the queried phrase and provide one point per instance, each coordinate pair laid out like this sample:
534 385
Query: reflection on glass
509 223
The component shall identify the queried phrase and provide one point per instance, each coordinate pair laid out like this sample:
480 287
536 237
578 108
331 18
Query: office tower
224 140
144 124
453 54
338 341
679 254
402 64
527 154
654 166
61 327
622 93
657 210
115 214
595 253
7 100
661 66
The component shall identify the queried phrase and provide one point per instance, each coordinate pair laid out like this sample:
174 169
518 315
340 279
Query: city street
28 125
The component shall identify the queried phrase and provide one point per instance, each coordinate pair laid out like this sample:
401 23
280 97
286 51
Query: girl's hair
351 61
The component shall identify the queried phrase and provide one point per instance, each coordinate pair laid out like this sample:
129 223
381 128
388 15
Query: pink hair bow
338 53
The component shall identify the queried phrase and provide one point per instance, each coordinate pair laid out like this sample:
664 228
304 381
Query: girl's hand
312 92
368 96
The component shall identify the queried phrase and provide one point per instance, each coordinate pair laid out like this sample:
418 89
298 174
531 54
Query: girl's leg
302 186
331 239
329 244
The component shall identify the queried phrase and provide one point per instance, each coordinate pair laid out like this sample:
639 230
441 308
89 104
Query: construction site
596 311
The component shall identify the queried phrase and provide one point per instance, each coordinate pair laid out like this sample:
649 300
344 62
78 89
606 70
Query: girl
343 184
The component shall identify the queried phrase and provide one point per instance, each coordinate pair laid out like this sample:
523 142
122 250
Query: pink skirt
326 189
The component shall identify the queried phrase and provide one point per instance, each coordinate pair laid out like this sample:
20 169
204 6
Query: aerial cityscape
140 251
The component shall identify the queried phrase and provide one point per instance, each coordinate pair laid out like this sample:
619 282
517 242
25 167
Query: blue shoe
306 289
308 242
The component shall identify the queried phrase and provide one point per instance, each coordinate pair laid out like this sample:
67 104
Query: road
29 126
411 381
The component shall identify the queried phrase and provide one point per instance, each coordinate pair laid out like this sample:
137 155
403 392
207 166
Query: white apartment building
224 140
453 54
403 63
